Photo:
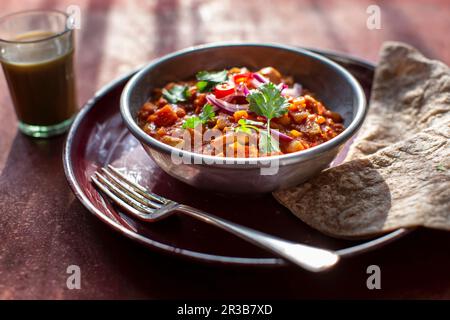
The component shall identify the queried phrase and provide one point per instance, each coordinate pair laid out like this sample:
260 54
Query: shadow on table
33 196
117 268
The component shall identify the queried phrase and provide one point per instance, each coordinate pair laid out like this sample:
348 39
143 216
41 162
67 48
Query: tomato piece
224 89
164 117
242 78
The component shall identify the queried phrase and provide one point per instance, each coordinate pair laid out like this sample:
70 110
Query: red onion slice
295 91
280 135
230 97
282 86
224 105
255 83
242 89
260 78
245 90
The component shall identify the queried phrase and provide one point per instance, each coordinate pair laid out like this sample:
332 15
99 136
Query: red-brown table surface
44 229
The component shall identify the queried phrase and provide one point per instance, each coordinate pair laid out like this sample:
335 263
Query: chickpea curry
238 113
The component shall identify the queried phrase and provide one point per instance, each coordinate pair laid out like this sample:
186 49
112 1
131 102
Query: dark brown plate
98 137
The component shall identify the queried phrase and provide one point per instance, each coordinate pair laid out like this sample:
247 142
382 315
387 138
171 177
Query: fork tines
129 195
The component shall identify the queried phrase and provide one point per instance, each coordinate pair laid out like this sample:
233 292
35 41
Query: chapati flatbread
398 174
410 93
403 185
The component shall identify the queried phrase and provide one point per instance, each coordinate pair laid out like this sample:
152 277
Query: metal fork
150 207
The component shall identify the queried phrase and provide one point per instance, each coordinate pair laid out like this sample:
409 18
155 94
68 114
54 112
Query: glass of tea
36 53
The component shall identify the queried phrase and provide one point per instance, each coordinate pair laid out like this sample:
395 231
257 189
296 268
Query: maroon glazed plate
99 137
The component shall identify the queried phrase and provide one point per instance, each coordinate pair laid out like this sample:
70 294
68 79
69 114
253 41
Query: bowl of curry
243 118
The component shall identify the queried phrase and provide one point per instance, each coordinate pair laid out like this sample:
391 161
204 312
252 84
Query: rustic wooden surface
43 228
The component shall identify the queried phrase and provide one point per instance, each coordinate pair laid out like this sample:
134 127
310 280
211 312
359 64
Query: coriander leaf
246 125
243 129
440 167
214 76
192 122
207 80
267 101
176 93
206 115
204 86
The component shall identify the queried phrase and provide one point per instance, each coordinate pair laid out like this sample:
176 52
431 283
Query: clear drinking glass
36 53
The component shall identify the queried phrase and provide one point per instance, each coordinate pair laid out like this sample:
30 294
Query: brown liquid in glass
43 92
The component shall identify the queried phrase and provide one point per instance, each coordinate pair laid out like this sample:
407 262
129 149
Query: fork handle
307 257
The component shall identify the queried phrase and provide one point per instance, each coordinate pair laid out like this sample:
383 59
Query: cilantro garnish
213 76
207 80
176 94
440 167
192 122
246 125
206 115
268 102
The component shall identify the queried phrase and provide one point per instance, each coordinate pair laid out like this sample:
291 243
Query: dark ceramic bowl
331 83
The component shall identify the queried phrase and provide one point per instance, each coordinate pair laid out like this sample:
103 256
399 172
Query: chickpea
271 73
174 142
